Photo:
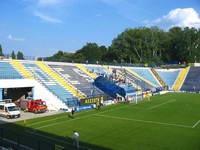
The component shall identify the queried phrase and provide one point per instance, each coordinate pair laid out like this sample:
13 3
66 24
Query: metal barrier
16 141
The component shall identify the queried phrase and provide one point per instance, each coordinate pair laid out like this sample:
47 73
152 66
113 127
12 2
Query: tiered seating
21 69
192 81
139 82
168 76
128 88
146 74
159 78
78 79
125 81
7 71
51 85
97 70
181 78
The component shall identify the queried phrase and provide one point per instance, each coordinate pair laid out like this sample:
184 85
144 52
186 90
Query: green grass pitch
166 122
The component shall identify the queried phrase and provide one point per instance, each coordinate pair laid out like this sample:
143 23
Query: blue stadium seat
78 79
192 81
145 73
128 88
168 76
7 71
98 70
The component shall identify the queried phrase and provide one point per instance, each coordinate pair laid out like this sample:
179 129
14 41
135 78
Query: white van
9 109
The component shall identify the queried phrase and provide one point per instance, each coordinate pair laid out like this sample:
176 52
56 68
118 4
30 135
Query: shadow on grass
19 137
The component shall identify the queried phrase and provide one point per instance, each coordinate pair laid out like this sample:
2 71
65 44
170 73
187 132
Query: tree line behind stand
19 54
141 45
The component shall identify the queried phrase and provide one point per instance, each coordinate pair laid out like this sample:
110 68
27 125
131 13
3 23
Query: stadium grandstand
74 86
68 83
99 75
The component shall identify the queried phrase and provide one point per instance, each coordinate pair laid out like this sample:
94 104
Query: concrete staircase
21 69
182 75
158 78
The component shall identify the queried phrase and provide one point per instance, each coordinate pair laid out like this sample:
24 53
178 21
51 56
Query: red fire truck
30 105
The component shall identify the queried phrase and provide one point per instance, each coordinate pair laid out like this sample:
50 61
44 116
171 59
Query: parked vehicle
30 105
9 109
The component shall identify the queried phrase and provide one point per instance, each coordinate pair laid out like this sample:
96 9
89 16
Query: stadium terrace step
56 77
21 69
132 83
158 78
107 69
8 71
192 81
138 76
169 76
181 78
79 79
138 82
85 70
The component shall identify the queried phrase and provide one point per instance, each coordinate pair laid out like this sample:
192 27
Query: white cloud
99 15
10 37
47 18
185 17
49 2
113 2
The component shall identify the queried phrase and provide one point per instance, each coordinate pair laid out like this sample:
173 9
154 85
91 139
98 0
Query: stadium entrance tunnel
17 93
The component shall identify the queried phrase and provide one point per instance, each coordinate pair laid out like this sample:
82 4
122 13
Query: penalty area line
196 124
145 121
170 101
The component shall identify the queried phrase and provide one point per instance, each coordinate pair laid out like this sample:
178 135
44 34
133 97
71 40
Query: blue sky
42 27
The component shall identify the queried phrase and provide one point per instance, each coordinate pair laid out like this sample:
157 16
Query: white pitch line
155 106
196 124
75 118
71 119
53 124
39 122
152 122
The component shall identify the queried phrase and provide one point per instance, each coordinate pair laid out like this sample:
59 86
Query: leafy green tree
191 44
91 52
13 55
20 55
183 44
141 45
1 51
59 55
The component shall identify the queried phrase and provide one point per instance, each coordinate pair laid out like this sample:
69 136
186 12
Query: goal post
139 96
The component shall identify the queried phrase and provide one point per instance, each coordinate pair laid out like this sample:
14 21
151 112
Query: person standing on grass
75 139
71 114
97 105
